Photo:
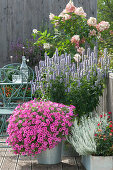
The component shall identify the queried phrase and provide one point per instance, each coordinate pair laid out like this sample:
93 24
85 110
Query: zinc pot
50 156
97 162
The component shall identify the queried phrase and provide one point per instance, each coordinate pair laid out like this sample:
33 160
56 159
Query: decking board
10 161
2 156
24 163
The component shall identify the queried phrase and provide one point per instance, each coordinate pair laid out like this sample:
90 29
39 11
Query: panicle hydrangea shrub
73 32
35 126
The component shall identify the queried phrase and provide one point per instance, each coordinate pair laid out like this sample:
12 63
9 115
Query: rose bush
35 126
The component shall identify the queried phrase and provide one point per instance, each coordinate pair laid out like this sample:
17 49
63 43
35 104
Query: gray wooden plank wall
106 100
19 17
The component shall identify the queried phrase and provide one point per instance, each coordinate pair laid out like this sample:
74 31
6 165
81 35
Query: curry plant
93 135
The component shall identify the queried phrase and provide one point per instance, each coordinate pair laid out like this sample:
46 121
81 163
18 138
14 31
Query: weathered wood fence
19 17
106 101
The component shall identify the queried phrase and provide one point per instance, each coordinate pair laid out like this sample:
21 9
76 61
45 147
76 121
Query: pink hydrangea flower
70 7
80 50
79 11
75 39
64 15
103 25
92 21
92 33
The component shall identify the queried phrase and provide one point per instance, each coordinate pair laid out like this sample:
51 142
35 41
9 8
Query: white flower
64 15
67 17
35 31
51 16
61 14
27 60
80 50
64 11
92 21
77 57
46 46
80 11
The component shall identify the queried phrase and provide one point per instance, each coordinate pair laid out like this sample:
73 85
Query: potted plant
38 127
93 139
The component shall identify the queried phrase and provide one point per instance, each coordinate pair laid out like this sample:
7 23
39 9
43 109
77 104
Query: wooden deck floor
9 161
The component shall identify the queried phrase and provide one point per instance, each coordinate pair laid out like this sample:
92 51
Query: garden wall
19 17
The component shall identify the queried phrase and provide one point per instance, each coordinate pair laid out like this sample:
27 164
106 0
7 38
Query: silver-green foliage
83 139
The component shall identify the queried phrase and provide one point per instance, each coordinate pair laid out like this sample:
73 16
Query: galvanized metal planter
97 162
50 156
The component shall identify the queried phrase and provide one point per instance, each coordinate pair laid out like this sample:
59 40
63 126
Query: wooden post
110 94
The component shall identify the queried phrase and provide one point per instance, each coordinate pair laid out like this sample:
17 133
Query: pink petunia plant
35 126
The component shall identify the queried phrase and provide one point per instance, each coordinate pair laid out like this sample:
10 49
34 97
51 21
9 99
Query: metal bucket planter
97 162
51 156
